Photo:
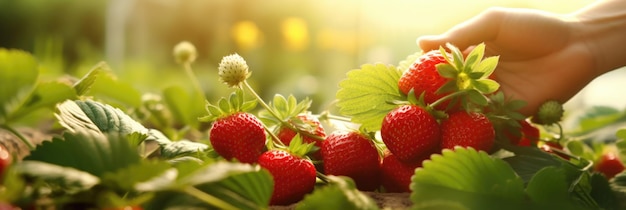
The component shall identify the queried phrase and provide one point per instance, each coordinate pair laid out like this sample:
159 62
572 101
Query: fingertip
429 42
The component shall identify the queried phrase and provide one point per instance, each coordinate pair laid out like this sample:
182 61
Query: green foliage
186 108
89 151
366 93
99 117
340 193
241 185
474 180
467 177
66 179
226 106
19 69
286 109
84 84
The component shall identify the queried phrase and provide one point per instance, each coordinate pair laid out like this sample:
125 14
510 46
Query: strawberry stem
220 204
19 136
275 139
322 177
447 97
193 78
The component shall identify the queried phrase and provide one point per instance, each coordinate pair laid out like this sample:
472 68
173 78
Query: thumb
481 28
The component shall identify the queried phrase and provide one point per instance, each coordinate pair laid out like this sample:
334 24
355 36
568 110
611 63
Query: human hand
540 57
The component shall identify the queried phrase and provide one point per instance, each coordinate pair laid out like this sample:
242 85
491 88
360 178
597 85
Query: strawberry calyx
227 106
284 113
469 81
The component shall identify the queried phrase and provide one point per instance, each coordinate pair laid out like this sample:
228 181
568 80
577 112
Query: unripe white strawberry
233 70
185 52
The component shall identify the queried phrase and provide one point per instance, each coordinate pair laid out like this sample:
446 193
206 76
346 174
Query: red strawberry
240 135
423 77
293 176
609 165
352 154
467 130
396 175
307 124
411 133
5 159
530 134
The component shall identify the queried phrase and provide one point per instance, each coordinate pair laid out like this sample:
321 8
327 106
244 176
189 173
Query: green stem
20 136
267 107
447 97
193 78
220 204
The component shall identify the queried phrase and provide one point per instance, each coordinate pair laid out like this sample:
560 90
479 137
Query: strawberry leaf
18 75
468 177
365 94
488 65
84 84
341 193
126 178
95 116
182 148
185 107
447 71
68 179
241 185
475 56
88 151
486 86
45 95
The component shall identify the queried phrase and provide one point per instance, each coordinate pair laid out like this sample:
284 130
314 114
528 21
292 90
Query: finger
481 28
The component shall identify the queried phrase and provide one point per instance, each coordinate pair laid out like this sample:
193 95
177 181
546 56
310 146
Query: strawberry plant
434 128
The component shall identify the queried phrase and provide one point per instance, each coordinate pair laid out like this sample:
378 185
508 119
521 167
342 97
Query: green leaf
126 178
182 148
487 65
447 71
84 84
45 95
68 179
241 185
92 115
186 108
18 75
456 55
486 86
468 177
88 151
108 87
475 56
340 193
527 161
550 188
365 93
477 98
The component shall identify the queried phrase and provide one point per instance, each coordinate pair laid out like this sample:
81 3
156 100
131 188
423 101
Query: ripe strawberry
410 133
240 135
396 175
530 134
352 154
609 165
5 159
467 130
293 176
422 76
306 123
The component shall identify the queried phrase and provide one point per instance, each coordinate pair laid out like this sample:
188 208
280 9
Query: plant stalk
20 136
220 204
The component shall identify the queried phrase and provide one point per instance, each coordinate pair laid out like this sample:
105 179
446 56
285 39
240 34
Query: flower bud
233 70
185 52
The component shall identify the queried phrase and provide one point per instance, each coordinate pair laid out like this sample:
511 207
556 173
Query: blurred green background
292 47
